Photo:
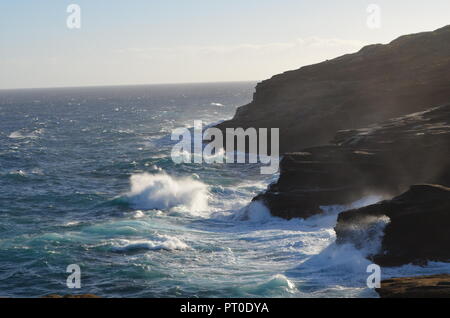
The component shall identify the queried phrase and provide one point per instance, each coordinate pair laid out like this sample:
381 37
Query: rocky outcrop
435 286
418 230
383 159
379 82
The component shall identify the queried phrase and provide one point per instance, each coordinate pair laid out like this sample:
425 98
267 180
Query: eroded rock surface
383 159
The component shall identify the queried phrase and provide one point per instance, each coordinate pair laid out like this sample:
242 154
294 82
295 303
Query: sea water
86 178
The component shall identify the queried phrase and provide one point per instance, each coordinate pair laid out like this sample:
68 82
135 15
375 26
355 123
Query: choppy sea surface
86 178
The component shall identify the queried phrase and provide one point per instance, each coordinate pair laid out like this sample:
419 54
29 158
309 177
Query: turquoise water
86 178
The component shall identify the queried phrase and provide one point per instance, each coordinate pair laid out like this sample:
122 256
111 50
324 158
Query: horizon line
126 85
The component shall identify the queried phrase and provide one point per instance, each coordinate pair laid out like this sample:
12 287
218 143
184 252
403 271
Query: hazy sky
173 41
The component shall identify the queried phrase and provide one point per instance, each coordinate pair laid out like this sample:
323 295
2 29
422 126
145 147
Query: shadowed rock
418 230
383 159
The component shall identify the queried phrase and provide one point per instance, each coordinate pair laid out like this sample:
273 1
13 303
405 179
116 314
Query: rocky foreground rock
417 230
383 159
379 82
435 286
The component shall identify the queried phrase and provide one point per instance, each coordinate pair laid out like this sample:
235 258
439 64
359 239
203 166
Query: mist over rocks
417 231
379 82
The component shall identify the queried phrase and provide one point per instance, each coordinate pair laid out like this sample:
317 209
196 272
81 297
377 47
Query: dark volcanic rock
383 159
379 82
418 230
435 286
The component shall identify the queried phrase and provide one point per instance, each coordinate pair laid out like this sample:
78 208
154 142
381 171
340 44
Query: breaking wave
167 243
164 192
276 285
255 212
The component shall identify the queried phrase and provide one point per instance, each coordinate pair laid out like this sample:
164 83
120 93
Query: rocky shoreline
435 286
376 122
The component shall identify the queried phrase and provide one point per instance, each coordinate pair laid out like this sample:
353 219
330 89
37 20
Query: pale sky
179 41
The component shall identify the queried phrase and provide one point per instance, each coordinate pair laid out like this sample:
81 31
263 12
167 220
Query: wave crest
274 286
163 192
167 243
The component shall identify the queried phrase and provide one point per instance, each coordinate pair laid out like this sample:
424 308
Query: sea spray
164 192
366 234
255 212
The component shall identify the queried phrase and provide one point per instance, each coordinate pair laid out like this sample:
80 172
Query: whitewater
86 177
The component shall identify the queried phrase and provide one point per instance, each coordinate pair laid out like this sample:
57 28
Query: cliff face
383 159
417 231
377 83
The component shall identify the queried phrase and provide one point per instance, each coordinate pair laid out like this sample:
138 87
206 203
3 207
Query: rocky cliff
379 82
417 231
383 159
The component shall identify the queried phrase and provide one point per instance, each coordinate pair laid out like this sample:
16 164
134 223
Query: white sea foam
71 223
367 233
164 192
410 270
258 212
255 212
37 171
186 156
138 214
18 173
21 134
168 243
182 156
310 244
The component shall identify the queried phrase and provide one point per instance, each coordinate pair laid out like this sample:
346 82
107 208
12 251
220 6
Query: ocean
87 178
